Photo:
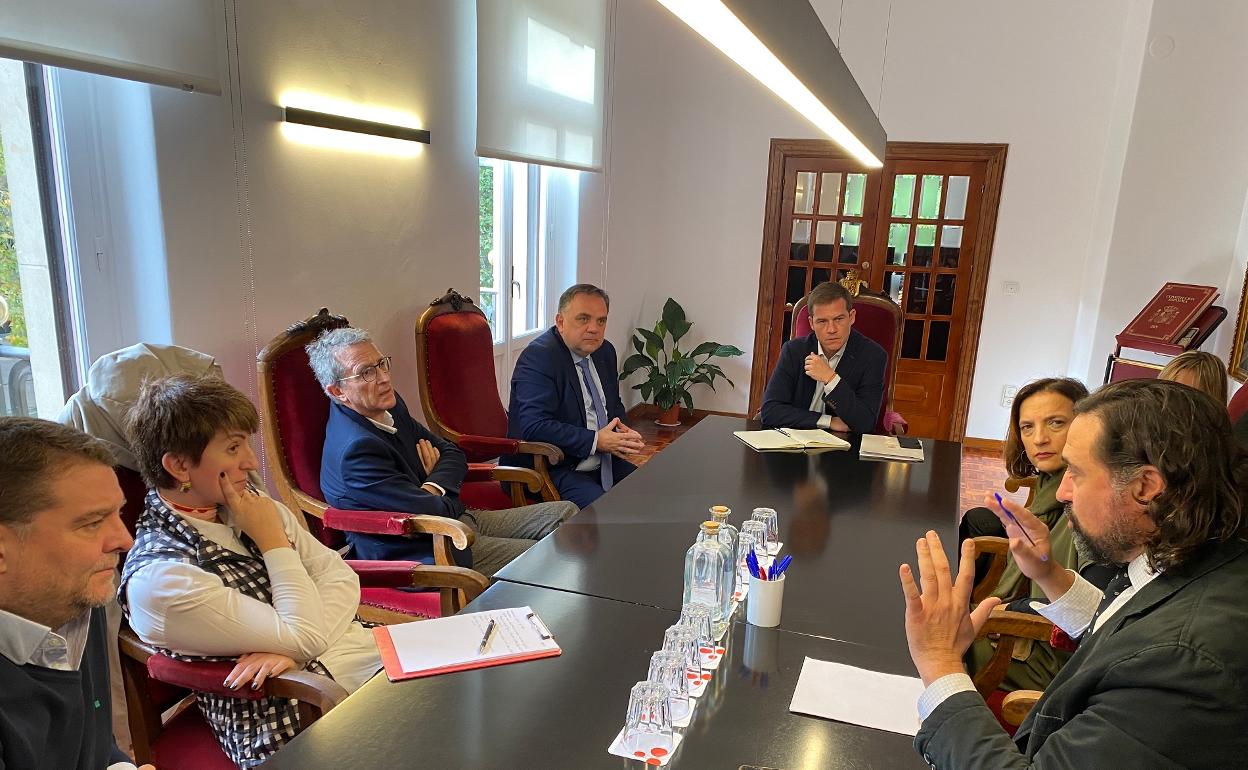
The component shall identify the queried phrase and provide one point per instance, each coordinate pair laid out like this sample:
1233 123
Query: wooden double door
919 229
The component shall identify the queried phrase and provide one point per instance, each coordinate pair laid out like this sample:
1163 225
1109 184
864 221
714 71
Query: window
514 224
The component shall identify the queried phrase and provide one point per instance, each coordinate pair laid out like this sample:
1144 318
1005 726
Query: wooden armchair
294 411
1010 630
999 547
459 388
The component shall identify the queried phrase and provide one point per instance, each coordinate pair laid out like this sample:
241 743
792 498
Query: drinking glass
768 517
648 729
698 617
668 668
683 639
757 532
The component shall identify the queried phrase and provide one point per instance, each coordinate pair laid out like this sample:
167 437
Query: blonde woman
1203 371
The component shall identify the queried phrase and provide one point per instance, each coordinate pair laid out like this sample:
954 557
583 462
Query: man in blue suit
565 391
833 377
377 457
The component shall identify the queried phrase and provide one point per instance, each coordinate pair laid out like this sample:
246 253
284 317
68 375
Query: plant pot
670 417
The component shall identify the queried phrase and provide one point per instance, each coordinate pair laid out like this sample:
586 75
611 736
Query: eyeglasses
369 373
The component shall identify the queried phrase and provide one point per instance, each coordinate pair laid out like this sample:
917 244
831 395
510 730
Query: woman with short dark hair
220 570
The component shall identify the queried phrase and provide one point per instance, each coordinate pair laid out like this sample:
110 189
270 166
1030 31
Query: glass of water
769 518
698 617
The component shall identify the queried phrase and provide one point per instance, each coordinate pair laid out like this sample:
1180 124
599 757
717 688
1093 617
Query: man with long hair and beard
1155 487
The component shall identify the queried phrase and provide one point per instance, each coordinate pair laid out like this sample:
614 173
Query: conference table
848 523
609 581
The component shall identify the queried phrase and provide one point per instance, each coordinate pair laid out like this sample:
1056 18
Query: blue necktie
601 413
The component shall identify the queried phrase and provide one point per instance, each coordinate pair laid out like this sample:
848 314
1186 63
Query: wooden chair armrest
407 574
1020 625
552 453
317 691
1018 704
999 549
131 646
1013 484
404 524
531 479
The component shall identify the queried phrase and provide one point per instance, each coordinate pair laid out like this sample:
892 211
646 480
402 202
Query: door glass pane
955 197
893 283
950 245
916 295
820 275
929 196
825 240
850 233
490 177
924 244
898 243
804 201
903 195
830 193
799 244
797 285
788 324
942 299
938 341
855 188
912 339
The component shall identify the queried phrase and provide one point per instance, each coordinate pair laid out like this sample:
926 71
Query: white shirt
591 417
315 598
26 642
1071 612
823 389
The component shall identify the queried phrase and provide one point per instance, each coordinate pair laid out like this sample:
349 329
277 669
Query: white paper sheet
431 644
858 696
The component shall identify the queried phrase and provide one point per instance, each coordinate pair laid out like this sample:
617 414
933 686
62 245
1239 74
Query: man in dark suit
831 378
1156 487
377 457
565 391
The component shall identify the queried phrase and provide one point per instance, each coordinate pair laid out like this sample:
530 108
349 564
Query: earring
185 486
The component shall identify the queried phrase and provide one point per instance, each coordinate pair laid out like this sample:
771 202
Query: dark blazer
1162 684
856 398
546 400
365 468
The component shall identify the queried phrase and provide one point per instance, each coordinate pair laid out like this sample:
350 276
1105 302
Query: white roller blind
166 42
541 78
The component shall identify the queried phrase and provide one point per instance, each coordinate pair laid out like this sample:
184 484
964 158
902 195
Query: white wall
690 135
1186 175
376 237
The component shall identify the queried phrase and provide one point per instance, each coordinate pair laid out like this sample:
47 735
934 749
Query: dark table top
563 712
847 522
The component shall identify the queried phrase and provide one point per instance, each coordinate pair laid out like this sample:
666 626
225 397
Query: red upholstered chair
879 319
459 392
294 411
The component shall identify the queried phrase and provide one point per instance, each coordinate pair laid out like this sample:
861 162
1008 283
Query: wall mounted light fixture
355 125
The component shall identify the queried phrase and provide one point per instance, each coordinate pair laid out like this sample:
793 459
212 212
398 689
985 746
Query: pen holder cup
762 606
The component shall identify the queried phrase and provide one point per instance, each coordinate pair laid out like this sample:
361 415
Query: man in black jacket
1155 485
61 536
831 378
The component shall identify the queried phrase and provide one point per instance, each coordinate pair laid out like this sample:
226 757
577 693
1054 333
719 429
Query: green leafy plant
671 372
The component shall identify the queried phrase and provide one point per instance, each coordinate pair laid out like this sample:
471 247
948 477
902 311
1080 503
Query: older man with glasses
378 457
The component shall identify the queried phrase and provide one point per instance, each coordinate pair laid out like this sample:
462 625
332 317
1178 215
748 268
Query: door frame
783 149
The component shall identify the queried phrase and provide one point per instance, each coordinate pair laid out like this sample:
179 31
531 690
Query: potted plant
670 371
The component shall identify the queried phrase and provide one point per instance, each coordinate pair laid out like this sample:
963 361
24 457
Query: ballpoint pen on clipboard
487 637
1000 502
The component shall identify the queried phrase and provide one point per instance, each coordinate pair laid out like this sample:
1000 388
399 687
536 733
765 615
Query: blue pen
781 567
1000 502
751 561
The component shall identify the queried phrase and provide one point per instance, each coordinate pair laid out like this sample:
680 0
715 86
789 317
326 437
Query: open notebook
790 440
443 645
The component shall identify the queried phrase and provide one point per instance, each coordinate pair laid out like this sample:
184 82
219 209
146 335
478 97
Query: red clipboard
395 671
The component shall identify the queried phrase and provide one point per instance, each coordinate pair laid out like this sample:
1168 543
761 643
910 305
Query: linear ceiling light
749 30
355 125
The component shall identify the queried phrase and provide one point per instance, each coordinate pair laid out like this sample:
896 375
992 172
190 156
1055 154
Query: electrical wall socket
1009 288
1007 395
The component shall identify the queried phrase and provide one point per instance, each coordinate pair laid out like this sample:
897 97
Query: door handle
866 265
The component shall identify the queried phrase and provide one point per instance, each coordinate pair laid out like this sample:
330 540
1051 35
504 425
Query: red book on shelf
1170 313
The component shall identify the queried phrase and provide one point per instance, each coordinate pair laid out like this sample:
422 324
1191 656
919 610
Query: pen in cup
1000 502
487 637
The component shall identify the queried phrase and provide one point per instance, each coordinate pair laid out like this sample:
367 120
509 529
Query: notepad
789 440
442 645
887 448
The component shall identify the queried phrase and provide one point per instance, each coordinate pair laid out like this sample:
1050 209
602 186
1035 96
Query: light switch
1009 288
